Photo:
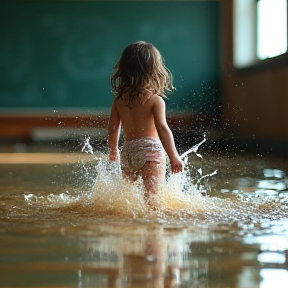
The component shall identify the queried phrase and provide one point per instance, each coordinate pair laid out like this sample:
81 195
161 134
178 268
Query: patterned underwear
136 153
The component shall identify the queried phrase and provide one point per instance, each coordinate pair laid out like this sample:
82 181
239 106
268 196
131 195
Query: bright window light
244 33
271 28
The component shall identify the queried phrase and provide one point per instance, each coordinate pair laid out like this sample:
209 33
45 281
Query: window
259 29
271 28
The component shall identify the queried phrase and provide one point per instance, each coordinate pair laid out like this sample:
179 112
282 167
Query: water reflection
239 237
165 257
272 184
274 278
121 255
158 258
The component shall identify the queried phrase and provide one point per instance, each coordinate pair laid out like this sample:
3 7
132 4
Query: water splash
109 194
87 148
194 149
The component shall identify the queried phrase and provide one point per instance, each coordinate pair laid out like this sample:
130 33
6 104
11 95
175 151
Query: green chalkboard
60 53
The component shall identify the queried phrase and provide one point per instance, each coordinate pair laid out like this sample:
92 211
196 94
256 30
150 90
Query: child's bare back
137 116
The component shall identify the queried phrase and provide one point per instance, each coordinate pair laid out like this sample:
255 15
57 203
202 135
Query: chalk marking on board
79 50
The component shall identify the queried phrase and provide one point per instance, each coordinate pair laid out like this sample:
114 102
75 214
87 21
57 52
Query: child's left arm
114 126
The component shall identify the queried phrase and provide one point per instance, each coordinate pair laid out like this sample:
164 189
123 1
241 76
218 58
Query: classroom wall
59 54
254 101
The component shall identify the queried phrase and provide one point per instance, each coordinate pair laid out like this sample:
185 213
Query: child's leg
153 174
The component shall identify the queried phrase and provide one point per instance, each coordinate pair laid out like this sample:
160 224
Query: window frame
268 63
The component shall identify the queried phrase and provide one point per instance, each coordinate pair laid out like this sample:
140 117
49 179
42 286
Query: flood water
69 220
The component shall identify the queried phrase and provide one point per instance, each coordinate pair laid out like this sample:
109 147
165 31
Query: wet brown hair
140 67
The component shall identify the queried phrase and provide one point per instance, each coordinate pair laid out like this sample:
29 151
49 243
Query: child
138 81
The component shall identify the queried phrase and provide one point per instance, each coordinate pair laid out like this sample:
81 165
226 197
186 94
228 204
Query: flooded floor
69 220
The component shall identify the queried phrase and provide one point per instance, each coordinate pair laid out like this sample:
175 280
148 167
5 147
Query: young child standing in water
139 81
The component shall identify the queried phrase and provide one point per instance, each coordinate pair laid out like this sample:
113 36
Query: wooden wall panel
254 101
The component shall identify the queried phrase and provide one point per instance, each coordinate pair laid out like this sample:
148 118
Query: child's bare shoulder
157 99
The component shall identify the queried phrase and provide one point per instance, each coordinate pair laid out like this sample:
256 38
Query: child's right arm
165 135
113 133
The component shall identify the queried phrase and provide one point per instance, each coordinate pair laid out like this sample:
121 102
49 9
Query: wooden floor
46 158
